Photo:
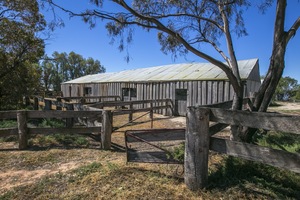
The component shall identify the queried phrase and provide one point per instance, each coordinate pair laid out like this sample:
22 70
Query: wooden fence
65 103
138 106
100 124
198 140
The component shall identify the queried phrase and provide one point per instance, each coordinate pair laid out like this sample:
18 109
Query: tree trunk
275 71
237 104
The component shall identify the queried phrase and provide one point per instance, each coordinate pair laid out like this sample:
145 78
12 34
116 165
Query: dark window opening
129 93
181 94
87 91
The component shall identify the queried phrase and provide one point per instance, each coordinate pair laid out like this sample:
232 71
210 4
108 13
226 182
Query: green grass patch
59 139
279 140
8 124
54 123
254 178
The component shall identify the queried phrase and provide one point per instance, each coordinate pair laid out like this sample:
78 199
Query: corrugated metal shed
175 72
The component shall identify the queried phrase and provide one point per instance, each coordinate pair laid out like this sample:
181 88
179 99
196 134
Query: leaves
64 67
20 50
286 89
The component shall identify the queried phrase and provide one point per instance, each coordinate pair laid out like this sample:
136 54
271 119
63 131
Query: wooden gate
154 145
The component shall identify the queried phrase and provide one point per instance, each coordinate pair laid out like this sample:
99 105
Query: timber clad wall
198 92
183 93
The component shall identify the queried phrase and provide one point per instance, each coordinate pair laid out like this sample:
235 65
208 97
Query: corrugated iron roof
174 72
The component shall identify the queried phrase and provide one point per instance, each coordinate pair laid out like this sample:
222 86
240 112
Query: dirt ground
24 167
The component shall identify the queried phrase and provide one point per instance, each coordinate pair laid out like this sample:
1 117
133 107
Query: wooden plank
63 114
199 94
125 103
155 135
220 91
209 92
273 157
74 130
196 148
8 114
227 91
4 132
122 112
223 105
204 93
267 121
215 91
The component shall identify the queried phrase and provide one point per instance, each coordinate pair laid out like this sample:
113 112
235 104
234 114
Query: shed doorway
180 101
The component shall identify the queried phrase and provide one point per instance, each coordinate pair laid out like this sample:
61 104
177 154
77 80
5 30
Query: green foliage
20 50
55 123
59 139
296 97
287 89
64 67
177 153
279 140
8 124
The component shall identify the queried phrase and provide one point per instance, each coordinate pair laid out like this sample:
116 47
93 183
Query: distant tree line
62 67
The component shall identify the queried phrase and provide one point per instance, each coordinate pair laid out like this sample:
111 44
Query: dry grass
90 173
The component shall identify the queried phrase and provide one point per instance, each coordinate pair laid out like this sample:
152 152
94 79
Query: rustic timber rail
100 124
138 106
65 103
198 141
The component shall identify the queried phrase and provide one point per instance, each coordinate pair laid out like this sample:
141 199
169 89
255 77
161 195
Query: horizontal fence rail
99 123
199 141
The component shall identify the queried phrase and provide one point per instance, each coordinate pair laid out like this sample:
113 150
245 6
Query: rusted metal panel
153 146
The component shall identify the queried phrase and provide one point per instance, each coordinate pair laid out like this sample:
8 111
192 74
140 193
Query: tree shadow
252 177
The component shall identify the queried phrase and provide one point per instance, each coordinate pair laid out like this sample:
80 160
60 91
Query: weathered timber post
196 148
36 103
70 121
165 111
48 104
130 114
22 129
58 104
107 121
151 114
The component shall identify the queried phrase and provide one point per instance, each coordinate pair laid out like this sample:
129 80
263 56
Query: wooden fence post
48 104
196 148
36 103
58 103
107 121
130 114
69 121
151 114
22 129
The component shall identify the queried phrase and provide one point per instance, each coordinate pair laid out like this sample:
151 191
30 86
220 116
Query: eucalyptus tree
185 26
20 49
63 67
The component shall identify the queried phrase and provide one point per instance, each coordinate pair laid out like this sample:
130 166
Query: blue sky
145 50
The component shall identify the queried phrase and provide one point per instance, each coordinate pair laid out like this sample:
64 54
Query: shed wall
198 92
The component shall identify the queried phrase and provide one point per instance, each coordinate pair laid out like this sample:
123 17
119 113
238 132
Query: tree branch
293 30
163 28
